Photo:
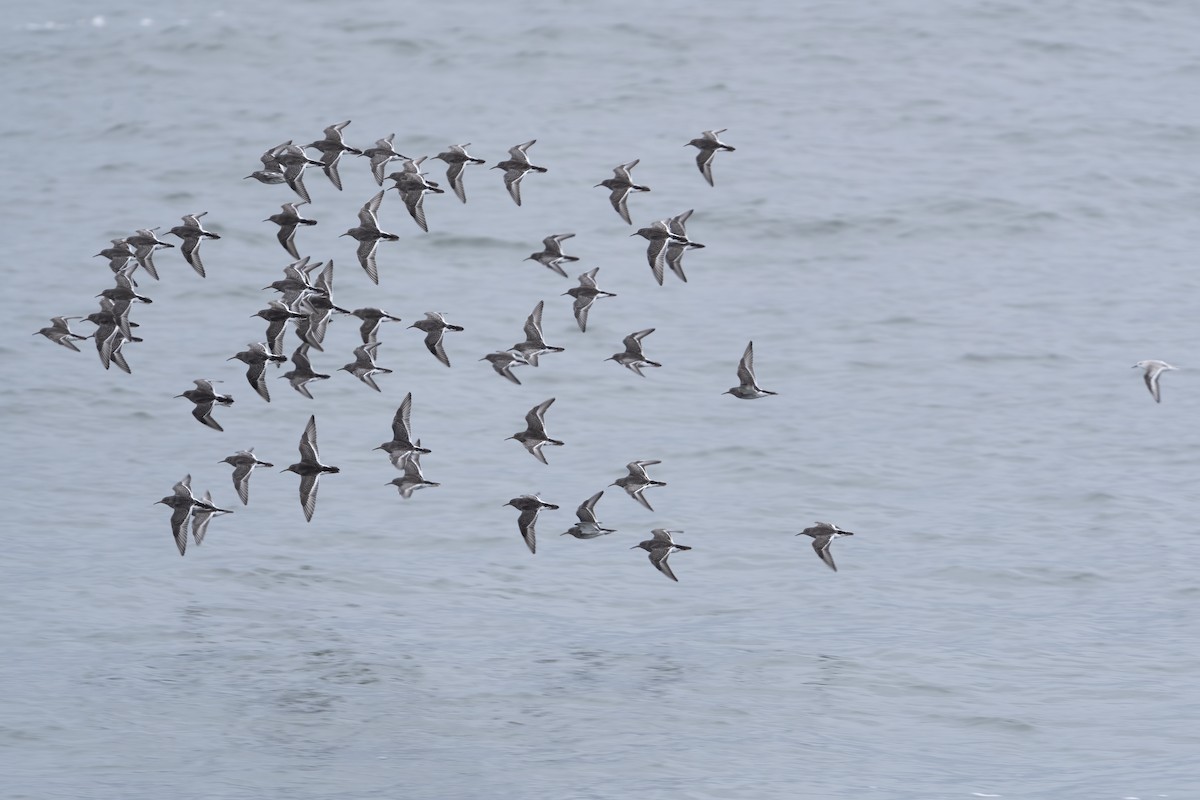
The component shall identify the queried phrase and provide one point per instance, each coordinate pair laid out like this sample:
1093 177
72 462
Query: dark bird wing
401 426
433 341
526 522
256 374
191 253
366 257
587 510
745 370
658 557
308 441
620 201
535 419
512 181
241 480
179 529
821 546
414 201
203 412
454 174
655 256
308 494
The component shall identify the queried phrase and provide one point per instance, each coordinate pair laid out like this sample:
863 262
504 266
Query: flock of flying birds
307 303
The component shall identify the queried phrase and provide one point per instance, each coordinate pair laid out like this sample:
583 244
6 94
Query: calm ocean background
949 228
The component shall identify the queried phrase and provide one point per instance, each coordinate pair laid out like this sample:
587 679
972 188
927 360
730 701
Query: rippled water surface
949 229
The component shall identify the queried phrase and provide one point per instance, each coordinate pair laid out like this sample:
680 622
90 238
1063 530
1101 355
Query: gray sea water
949 228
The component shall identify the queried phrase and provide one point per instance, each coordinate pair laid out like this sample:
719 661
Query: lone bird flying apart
192 233
660 547
204 397
588 526
708 144
243 463
620 185
822 534
515 167
1153 371
637 481
529 505
747 388
534 436
309 468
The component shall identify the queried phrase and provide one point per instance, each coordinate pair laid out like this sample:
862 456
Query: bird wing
308 494
308 441
587 510
401 430
526 522
821 546
433 341
658 557
745 370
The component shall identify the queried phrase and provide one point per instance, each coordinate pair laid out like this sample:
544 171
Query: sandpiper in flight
1153 371
822 534
747 388
309 468
529 505
660 547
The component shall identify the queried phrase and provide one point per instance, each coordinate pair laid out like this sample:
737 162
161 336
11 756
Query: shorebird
822 534
122 296
202 514
371 317
552 255
412 479
293 159
272 171
380 155
588 526
529 505
320 307
368 234
297 282
457 158
620 185
302 371
204 397
364 367
332 147
660 547
747 388
61 333
676 246
401 448
534 437
309 468
288 220
534 344
243 463
585 294
255 358
182 501
1153 371
412 186
119 255
708 145
637 481
144 243
192 233
633 357
503 361
277 315
434 325
515 167
109 335
659 237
